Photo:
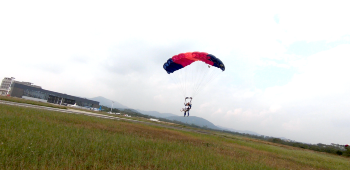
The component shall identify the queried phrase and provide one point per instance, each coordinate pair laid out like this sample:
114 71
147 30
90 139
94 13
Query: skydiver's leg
188 112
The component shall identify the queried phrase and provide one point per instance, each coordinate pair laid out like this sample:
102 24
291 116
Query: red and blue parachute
193 70
184 59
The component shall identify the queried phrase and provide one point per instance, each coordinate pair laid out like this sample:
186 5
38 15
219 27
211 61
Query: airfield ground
40 138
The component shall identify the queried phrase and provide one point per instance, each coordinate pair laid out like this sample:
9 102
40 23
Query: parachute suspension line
186 82
209 75
193 78
198 75
178 82
194 72
204 79
183 81
198 79
201 79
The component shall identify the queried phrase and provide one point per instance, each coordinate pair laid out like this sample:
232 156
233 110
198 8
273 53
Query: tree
347 151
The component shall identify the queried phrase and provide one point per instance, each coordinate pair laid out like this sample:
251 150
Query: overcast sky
287 62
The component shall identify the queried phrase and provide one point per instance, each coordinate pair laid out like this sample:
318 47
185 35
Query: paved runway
57 109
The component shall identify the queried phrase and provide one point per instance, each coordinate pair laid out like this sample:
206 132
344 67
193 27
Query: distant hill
189 120
239 131
156 114
108 102
194 120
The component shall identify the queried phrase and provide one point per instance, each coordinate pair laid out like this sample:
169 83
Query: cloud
276 18
293 125
286 71
324 74
140 57
274 108
235 112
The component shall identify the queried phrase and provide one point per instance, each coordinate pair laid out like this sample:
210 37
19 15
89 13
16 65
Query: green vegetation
40 139
20 100
333 149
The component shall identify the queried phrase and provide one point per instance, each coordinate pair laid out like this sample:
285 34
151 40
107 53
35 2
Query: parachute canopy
184 59
193 70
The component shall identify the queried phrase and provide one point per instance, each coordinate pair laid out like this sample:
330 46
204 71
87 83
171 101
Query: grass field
20 100
40 139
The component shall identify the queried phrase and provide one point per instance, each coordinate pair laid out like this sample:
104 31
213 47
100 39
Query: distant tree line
333 149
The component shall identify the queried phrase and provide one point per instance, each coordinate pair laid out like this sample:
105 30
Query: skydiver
188 106
186 109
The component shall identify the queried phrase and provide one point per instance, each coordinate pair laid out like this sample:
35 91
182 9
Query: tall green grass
39 139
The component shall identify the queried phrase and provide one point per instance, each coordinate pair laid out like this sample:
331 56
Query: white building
6 85
155 120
